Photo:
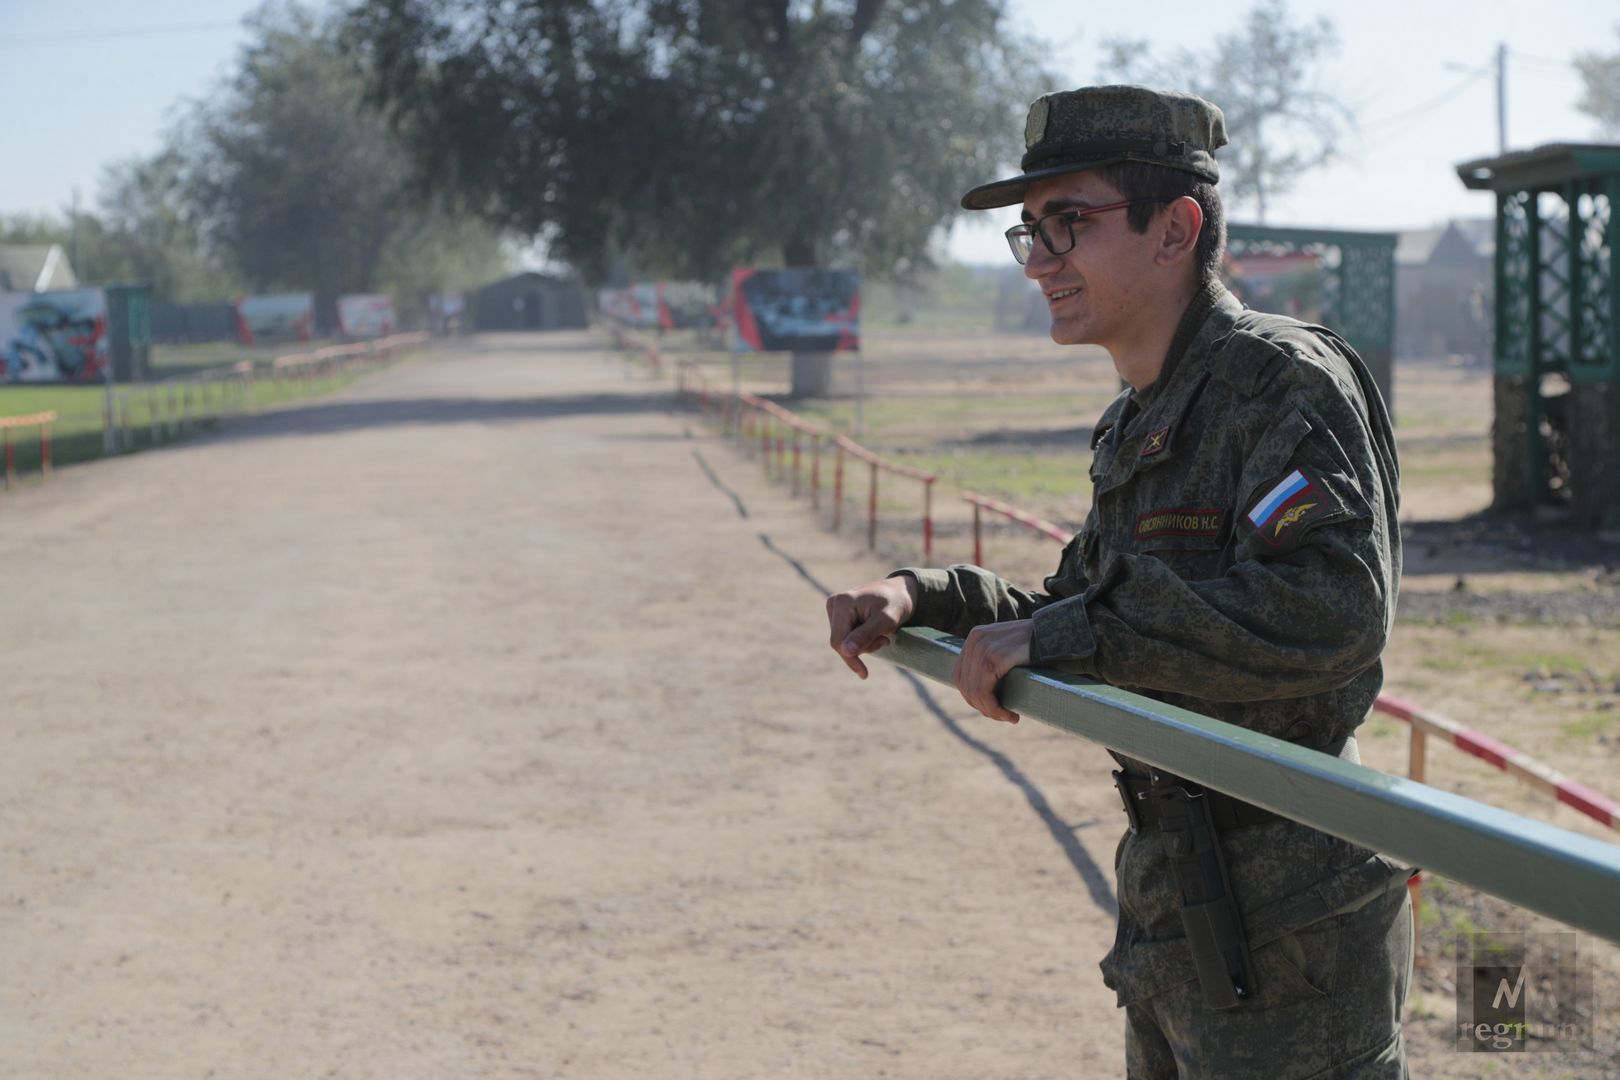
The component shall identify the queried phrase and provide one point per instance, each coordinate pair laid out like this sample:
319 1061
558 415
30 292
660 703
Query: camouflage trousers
1329 1008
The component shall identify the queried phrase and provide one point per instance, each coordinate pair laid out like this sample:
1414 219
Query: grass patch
1591 725
149 413
1029 481
192 359
919 421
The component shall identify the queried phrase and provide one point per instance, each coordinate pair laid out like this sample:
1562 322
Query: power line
1417 111
127 32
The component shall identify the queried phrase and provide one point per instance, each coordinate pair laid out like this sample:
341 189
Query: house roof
1542 166
35 268
1458 241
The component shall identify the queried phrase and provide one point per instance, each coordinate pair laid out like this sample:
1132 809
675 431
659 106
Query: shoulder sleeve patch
1288 509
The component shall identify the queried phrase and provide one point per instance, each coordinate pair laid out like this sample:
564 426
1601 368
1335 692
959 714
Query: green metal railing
1561 874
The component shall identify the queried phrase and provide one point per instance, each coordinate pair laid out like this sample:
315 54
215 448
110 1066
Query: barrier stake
11 460
871 511
815 470
928 523
45 448
838 487
1417 767
796 434
978 538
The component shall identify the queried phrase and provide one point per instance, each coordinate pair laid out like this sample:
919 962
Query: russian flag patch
1292 501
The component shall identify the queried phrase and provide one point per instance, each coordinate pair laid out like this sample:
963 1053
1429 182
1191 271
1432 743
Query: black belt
1149 802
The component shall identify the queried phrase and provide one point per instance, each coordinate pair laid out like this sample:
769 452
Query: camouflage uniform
1240 559
1274 621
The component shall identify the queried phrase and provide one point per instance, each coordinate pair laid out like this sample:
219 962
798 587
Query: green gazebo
1556 434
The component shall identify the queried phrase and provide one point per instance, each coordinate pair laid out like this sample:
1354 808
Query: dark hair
1139 180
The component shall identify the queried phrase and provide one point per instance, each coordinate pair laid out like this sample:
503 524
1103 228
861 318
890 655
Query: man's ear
1181 223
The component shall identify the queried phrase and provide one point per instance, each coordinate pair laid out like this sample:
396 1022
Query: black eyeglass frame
1021 237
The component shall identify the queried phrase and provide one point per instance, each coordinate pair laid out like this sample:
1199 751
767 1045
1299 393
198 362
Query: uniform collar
1204 301
1147 436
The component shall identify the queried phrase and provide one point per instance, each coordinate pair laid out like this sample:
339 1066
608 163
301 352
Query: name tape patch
1179 521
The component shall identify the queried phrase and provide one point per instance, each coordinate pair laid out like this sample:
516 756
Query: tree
1600 93
150 235
1280 125
294 184
683 137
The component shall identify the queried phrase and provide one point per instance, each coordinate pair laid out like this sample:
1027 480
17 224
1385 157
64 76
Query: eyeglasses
1057 230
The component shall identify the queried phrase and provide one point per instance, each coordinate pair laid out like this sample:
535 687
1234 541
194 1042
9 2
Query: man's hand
864 619
990 652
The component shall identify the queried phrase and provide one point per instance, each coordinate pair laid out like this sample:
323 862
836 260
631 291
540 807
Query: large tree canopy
1263 76
294 184
682 137
1600 89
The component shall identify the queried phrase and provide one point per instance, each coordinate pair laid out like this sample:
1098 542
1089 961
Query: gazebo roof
1544 166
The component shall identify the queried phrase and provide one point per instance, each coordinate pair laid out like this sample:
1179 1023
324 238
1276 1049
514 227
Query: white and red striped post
871 510
838 486
928 522
815 469
796 469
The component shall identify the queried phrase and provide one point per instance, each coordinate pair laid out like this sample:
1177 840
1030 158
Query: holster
1209 912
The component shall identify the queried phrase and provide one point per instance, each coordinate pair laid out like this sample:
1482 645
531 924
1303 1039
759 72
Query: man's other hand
864 619
989 652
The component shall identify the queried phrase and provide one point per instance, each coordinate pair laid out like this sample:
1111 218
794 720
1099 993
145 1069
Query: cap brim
1014 188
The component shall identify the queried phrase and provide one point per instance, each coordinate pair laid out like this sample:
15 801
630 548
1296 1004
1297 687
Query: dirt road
479 722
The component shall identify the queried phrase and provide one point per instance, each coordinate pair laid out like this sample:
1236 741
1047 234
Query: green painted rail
1564 875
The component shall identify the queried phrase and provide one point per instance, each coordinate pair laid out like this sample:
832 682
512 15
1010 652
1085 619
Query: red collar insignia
1155 441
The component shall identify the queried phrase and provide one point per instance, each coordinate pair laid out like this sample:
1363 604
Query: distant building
1443 290
529 301
35 268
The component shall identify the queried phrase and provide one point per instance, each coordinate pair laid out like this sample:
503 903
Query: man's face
1093 291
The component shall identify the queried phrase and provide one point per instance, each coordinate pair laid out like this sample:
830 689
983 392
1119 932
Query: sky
93 82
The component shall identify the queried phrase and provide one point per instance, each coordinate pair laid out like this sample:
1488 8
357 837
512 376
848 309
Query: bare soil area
479 721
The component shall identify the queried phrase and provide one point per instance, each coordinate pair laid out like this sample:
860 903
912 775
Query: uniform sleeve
958 598
1306 604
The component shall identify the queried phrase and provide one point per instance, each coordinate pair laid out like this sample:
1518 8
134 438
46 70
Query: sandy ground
479 722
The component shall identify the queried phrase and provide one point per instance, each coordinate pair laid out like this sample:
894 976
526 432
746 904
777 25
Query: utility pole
1501 98
73 243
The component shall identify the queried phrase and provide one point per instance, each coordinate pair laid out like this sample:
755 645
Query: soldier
1240 559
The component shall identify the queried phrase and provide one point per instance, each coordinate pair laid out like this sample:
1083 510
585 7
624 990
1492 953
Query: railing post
928 522
11 459
1417 767
796 439
838 486
815 470
871 511
978 538
45 448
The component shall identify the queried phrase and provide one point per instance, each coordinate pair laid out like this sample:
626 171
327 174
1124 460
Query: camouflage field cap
1071 130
